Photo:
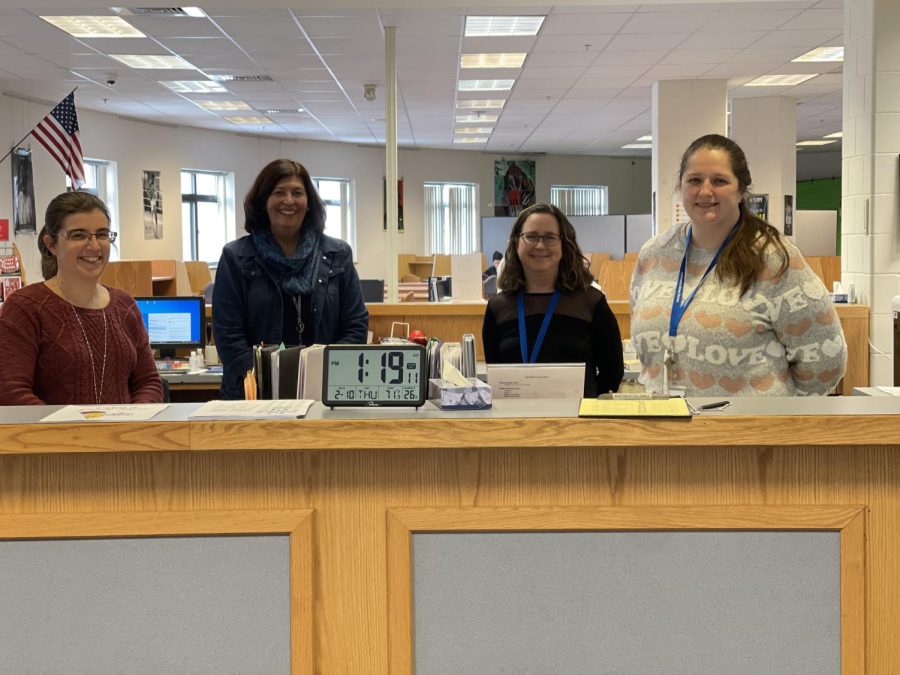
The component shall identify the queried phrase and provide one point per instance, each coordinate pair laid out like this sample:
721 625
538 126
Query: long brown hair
572 276
744 259
59 208
255 215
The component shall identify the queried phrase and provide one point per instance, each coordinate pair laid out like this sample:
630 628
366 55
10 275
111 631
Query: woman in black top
566 319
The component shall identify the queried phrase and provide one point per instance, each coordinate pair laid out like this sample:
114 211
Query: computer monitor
372 290
174 322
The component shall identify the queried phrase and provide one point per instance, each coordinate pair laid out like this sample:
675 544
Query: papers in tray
665 407
106 413
283 409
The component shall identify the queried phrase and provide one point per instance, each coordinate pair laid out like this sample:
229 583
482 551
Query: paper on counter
666 407
282 409
137 412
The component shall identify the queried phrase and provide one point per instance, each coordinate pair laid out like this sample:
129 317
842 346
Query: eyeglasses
81 236
533 238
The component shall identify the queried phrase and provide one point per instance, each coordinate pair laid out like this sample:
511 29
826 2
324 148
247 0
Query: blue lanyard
679 307
523 334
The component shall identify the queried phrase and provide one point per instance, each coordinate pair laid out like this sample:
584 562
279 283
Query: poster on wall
789 215
759 205
23 191
153 212
513 186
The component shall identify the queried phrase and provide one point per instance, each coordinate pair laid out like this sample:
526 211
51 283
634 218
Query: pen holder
449 396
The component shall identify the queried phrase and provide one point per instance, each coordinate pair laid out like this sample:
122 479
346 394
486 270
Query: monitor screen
174 322
372 290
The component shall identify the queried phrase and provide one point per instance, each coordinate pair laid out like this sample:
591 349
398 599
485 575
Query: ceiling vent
241 78
155 11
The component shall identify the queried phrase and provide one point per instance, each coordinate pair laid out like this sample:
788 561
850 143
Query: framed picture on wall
153 212
513 186
23 191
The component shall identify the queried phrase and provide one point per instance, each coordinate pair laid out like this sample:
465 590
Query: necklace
98 387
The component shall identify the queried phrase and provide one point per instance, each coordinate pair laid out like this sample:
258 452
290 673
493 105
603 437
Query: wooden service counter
450 320
359 482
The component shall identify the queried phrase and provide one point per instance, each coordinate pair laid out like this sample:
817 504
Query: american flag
58 132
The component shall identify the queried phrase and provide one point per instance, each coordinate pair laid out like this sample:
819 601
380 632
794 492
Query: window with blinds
580 200
451 218
340 221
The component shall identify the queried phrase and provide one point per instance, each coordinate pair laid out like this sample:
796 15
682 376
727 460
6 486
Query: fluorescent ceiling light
283 111
487 104
94 26
249 119
486 85
779 80
487 26
822 54
470 139
645 139
223 106
477 119
806 143
638 146
499 60
153 61
836 134
194 11
193 86
472 130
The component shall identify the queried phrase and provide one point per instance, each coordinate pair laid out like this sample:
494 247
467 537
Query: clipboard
645 407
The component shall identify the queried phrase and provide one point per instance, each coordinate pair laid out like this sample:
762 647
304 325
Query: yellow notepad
661 407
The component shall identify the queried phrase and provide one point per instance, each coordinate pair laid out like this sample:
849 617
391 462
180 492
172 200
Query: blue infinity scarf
297 273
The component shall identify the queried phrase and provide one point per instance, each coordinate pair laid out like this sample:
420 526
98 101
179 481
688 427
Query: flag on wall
58 132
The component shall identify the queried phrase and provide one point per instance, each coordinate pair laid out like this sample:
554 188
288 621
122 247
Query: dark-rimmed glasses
81 236
533 238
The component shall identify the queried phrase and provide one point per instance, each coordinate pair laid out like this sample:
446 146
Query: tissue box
449 396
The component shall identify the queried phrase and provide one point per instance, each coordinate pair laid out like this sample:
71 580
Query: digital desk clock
374 375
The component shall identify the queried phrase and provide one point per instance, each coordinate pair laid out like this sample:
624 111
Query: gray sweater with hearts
780 338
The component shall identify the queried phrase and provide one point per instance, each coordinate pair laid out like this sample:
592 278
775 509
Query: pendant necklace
98 386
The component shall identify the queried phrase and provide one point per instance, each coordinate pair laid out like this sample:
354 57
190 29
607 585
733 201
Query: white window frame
347 204
451 217
581 200
224 198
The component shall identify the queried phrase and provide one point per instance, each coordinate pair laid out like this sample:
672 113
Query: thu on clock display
372 375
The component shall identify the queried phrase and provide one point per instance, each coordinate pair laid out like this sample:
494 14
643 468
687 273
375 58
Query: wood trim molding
402 523
297 524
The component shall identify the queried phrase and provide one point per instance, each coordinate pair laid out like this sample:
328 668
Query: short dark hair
59 208
571 276
255 215
744 259
497 256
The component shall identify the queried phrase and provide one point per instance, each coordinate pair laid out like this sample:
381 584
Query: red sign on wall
4 229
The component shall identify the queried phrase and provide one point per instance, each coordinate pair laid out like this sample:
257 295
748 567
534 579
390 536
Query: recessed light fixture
241 78
820 54
645 139
499 60
490 26
470 139
812 143
283 111
486 85
476 104
194 11
477 119
153 61
193 86
223 106
472 130
836 134
94 26
779 80
249 119
638 146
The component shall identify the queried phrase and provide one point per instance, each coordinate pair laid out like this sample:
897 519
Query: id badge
672 386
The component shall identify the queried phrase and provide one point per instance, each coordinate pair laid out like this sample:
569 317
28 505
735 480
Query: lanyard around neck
542 333
678 306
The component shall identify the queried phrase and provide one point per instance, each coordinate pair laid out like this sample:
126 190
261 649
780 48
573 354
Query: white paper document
138 412
536 380
465 270
283 409
893 391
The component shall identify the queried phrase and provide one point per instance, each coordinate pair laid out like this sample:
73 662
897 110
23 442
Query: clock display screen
382 374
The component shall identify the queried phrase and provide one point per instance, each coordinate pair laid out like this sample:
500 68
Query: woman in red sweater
70 340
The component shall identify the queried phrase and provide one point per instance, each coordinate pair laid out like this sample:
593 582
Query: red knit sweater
46 360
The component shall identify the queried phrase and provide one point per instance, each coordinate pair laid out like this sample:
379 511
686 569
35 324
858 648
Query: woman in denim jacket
286 282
